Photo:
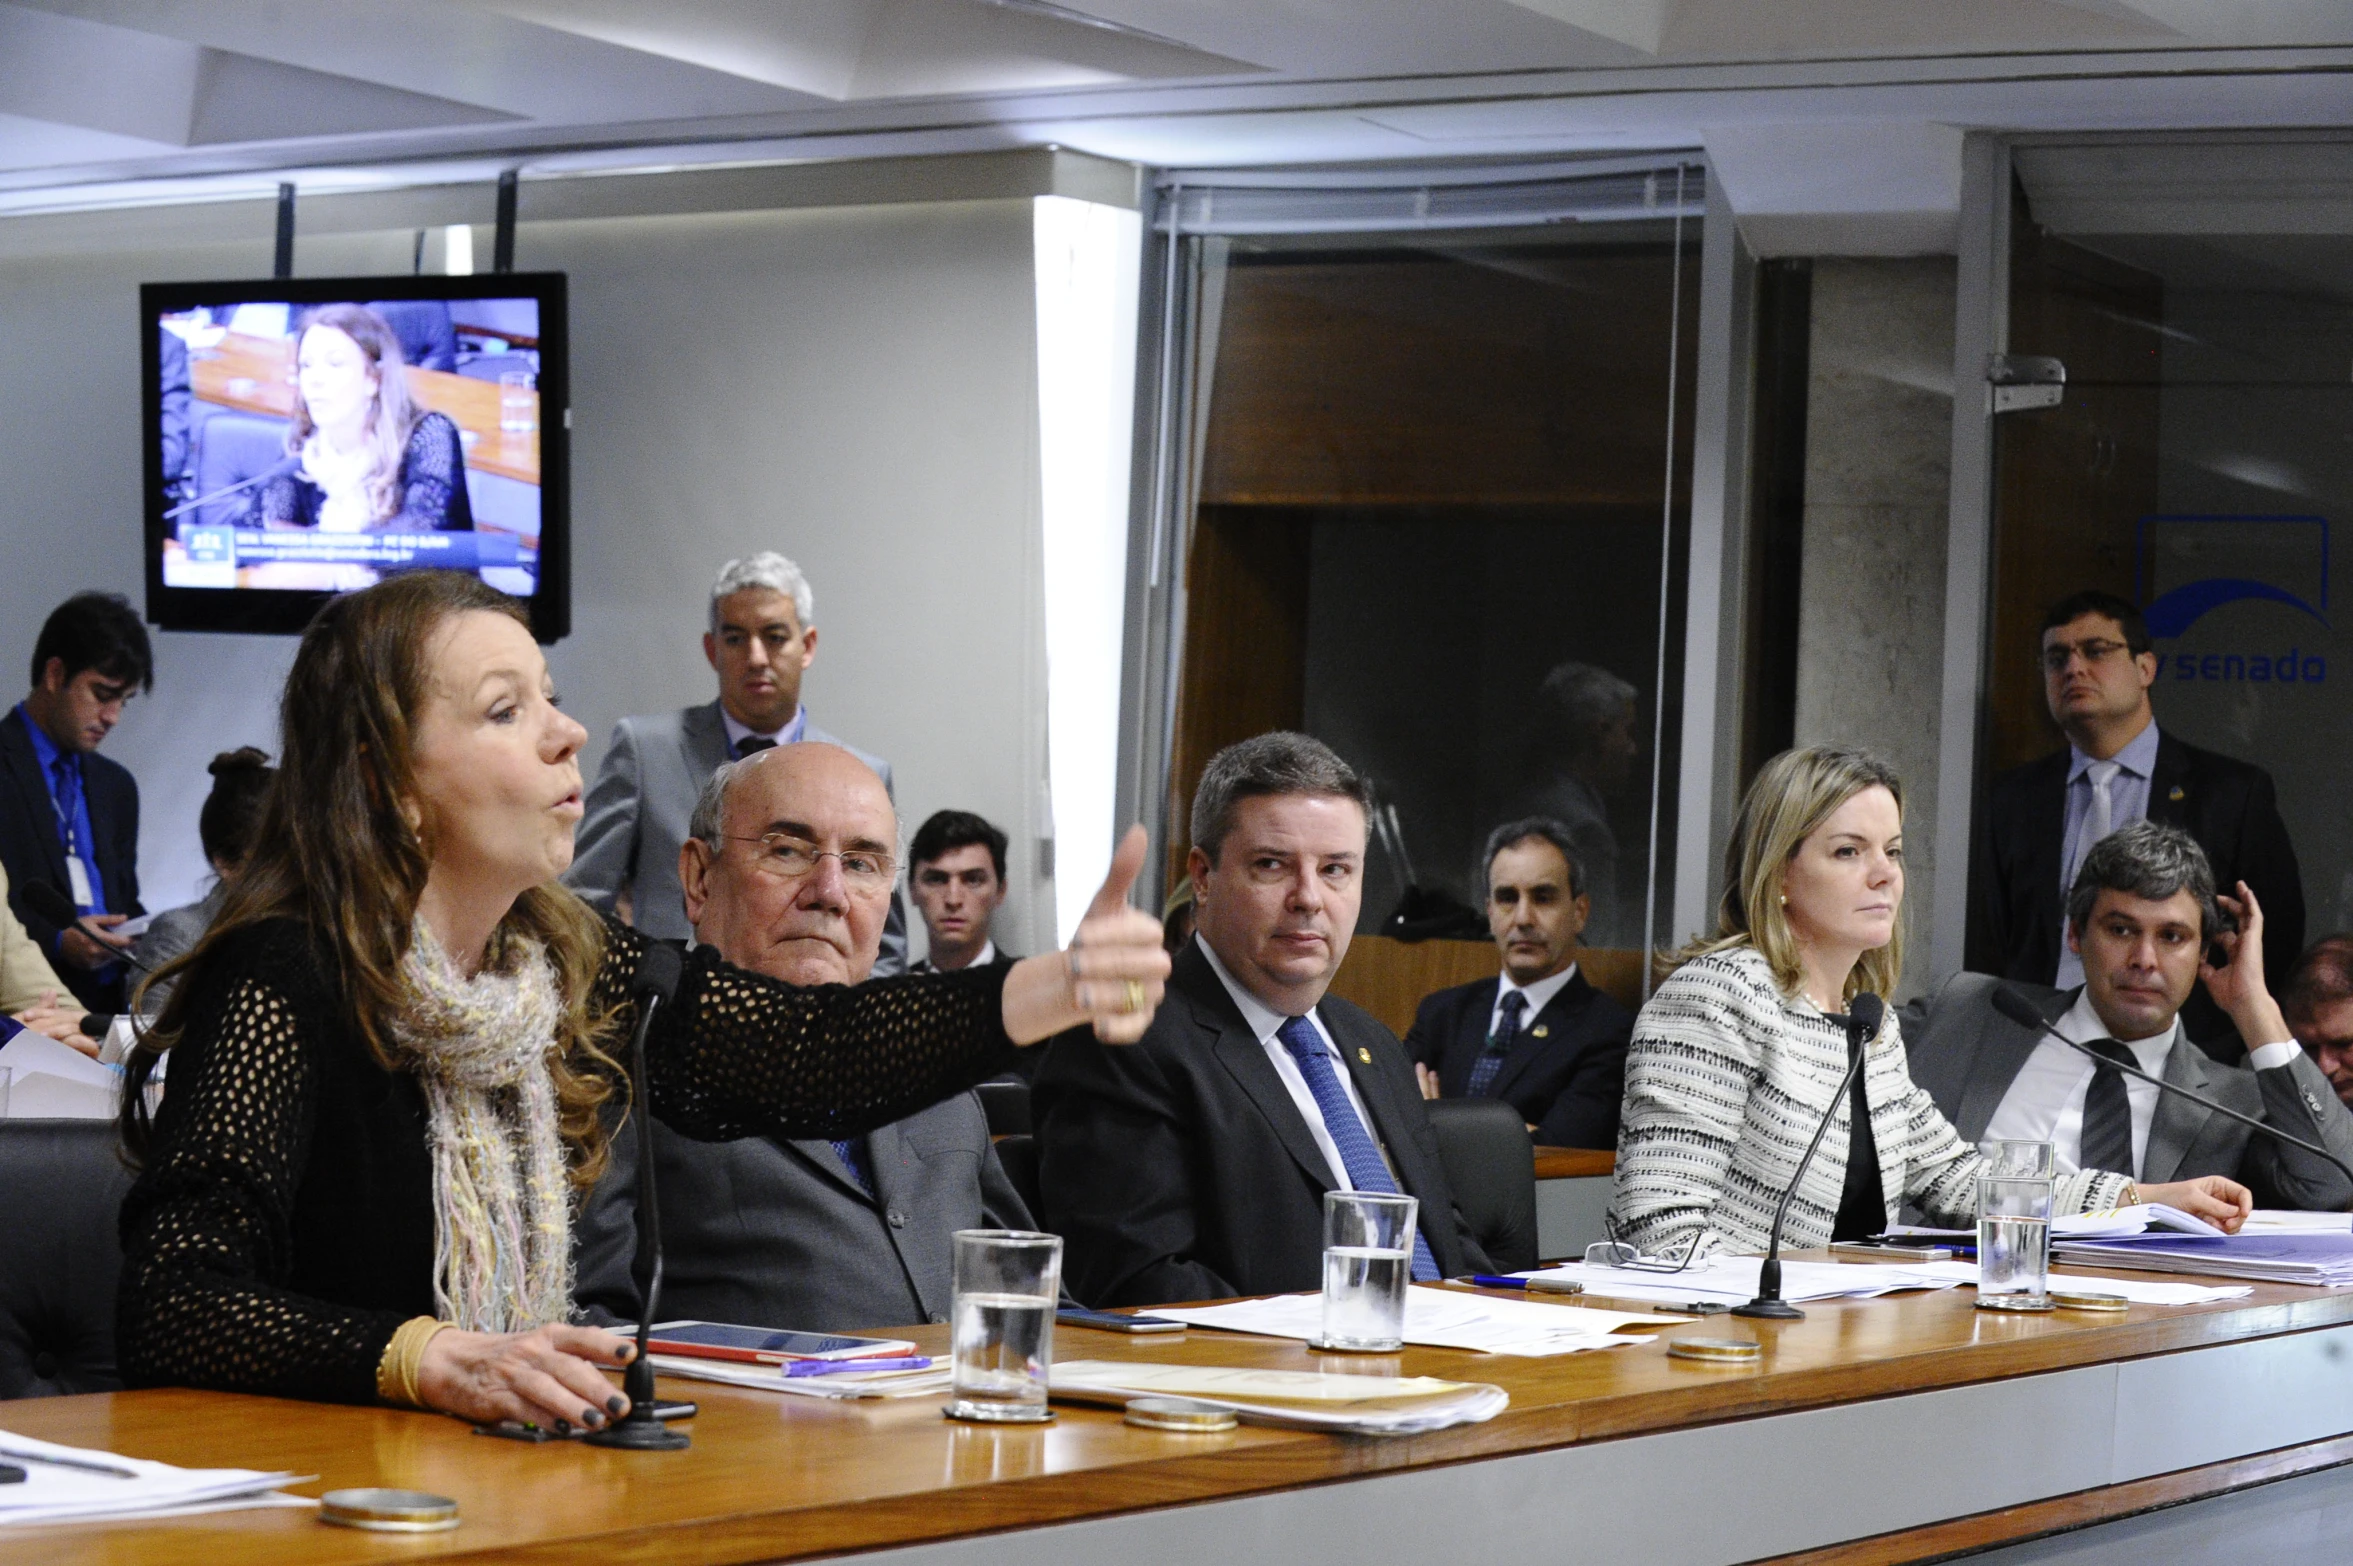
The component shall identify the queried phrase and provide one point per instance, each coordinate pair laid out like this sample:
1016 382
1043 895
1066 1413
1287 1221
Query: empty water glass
1007 1283
1368 1259
2014 1225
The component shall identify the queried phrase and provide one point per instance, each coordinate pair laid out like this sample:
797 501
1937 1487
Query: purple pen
841 1367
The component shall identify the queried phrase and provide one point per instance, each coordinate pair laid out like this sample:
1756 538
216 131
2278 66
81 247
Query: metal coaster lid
2086 1299
1716 1351
2016 1302
1180 1414
389 1511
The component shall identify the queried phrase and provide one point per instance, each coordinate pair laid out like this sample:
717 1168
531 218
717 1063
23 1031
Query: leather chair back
1006 1102
1019 1155
61 1189
1491 1163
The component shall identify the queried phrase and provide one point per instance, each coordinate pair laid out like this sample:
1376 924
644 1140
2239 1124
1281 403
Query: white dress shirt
737 733
1539 995
2045 1101
1263 1022
988 954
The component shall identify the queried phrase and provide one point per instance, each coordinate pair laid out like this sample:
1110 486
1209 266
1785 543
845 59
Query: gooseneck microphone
1862 1025
269 475
2019 1008
658 971
54 906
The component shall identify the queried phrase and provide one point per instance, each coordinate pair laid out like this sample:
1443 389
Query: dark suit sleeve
2298 1099
1001 1206
1114 1174
604 852
1586 1113
2267 860
1425 1041
604 1241
125 898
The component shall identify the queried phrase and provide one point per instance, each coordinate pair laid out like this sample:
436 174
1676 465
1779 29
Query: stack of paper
2141 1291
1298 1399
2274 1220
2321 1260
114 1486
53 1081
1732 1280
1440 1318
842 1386
2111 1224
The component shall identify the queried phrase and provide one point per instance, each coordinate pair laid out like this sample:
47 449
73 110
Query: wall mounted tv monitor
310 436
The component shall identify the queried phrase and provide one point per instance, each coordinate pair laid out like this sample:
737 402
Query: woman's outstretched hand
1111 975
549 1376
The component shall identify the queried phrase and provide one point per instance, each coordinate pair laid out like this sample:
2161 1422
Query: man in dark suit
633 822
1193 1165
2043 818
956 872
824 1236
2139 917
1540 1037
69 818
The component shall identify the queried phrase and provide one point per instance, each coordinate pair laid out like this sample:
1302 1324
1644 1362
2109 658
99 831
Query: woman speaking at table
390 1055
1738 1056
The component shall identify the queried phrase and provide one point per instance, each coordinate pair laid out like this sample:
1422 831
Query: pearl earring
1785 899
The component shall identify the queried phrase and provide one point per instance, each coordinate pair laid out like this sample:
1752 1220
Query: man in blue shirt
69 818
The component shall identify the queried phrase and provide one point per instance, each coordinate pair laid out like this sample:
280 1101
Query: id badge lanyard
77 872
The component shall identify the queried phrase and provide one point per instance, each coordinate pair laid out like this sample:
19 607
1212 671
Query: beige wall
852 385
1871 612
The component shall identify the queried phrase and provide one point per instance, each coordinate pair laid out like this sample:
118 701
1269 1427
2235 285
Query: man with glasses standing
762 639
787 871
2119 767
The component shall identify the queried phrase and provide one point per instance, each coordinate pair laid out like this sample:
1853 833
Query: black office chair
1019 1155
61 1186
1005 1100
428 339
229 448
1491 1163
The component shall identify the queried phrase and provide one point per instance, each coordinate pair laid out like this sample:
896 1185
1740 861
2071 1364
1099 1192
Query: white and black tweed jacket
1725 1083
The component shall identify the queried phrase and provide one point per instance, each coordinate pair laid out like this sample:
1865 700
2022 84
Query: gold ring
1135 995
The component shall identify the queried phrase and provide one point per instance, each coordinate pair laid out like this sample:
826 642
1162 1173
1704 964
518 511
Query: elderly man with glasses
788 869
2118 767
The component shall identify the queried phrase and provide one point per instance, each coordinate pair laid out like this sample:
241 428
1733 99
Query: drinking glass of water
1007 1281
518 402
2014 1225
1368 1259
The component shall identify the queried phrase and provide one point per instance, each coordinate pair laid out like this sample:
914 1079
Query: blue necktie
1499 1043
1359 1155
852 1152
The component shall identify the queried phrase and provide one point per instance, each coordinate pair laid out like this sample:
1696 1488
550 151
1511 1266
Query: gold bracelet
2132 1194
404 1356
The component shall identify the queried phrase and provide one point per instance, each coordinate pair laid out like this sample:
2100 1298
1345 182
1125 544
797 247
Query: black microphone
269 475
1862 1025
2015 1005
658 970
54 906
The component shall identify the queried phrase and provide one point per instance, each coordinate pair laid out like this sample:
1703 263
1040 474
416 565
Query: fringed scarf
502 1254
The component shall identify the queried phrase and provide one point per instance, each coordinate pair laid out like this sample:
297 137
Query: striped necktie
2107 1114
1359 1154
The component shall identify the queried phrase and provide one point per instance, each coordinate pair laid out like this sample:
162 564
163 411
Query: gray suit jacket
777 1234
636 816
1966 1055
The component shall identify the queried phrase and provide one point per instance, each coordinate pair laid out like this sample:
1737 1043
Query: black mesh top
283 1225
432 487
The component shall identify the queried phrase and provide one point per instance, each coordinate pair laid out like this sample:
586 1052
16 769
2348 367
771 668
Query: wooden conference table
1911 1417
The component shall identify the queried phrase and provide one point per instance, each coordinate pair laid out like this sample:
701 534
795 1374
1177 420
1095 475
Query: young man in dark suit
1193 1164
820 1235
69 818
2042 819
1540 1037
956 875
2141 916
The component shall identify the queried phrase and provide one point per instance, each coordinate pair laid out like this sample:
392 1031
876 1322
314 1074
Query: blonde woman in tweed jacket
1736 1057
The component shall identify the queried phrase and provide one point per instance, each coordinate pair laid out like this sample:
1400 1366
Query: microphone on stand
269 475
2015 1005
639 1430
1862 1025
54 906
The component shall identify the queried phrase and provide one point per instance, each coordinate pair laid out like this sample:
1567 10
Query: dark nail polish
563 1427
613 1404
591 1418
628 1352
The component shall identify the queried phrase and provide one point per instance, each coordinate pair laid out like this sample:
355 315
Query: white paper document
53 1494
1298 1399
1441 1318
1732 1280
2141 1291
2113 1223
53 1081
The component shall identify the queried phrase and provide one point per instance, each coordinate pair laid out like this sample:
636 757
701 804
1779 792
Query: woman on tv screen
372 461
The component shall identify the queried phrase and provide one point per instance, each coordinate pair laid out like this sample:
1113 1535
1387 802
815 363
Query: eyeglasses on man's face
790 858
2095 651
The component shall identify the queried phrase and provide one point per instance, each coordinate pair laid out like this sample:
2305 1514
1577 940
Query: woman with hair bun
225 826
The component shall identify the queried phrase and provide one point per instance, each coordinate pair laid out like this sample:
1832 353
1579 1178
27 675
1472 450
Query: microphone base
639 1433
1769 1310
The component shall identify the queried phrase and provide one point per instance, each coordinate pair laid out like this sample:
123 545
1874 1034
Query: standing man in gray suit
762 639
787 873
2141 916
